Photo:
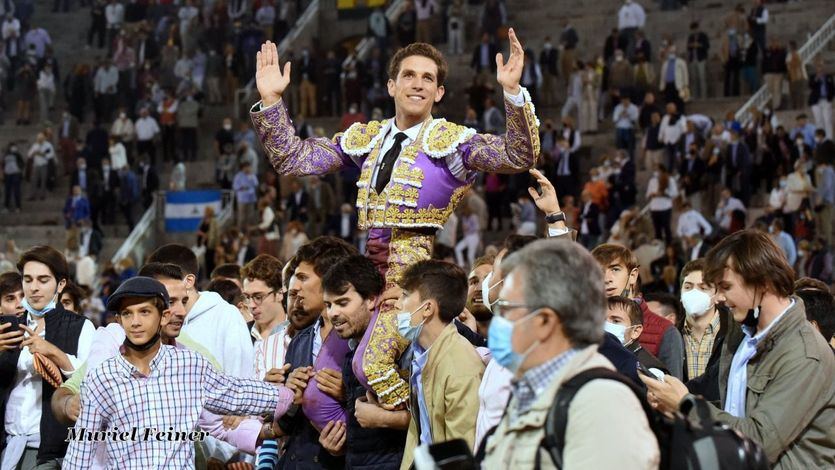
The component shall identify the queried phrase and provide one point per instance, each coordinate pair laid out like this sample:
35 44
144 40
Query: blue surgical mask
500 342
404 324
40 313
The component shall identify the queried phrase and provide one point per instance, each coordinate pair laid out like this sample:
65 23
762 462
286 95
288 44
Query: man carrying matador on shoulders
414 170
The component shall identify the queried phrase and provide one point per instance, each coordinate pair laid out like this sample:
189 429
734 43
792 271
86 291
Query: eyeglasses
503 307
257 299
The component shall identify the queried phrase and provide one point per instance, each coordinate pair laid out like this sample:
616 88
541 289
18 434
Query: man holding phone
11 310
55 340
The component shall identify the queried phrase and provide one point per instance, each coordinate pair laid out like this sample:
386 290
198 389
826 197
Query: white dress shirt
671 133
724 211
118 156
493 394
454 162
106 80
631 15
693 223
663 202
146 128
23 409
115 15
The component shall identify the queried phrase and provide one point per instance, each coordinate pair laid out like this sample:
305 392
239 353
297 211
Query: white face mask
486 287
696 302
618 330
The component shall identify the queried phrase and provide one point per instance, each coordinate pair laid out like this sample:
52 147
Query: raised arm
519 148
224 395
288 154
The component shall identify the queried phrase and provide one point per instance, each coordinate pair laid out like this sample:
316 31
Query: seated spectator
779 358
556 339
624 319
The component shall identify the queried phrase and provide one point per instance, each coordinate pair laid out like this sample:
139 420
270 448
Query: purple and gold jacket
422 193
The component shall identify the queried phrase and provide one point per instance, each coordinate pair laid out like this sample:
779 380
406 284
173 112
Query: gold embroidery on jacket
361 138
444 137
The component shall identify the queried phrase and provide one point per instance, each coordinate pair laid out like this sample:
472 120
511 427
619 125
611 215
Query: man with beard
373 437
302 448
475 303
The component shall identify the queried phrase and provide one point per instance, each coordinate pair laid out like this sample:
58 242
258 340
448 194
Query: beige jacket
681 75
607 427
450 378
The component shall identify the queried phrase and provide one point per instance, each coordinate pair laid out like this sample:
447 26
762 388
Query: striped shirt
698 352
116 396
534 382
269 353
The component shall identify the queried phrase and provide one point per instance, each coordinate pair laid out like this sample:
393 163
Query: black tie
384 175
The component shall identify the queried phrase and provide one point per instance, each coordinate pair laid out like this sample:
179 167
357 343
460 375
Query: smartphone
644 371
13 319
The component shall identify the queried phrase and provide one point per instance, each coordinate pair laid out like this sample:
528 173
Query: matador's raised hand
269 78
509 73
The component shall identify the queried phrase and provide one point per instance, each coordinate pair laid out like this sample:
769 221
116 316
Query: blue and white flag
184 209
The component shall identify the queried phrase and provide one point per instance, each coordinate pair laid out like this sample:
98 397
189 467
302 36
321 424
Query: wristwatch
555 217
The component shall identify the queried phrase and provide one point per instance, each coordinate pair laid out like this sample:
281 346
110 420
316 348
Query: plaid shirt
698 352
534 382
116 396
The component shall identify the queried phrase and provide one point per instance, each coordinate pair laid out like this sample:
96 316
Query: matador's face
416 87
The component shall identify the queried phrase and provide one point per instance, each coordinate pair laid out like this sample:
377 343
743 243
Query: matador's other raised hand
269 78
509 73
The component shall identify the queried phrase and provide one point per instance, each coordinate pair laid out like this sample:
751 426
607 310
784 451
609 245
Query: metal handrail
307 18
228 207
139 231
365 46
807 52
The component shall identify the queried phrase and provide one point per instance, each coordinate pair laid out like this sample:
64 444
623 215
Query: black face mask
142 347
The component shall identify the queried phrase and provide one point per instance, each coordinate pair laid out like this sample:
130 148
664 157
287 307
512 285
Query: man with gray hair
560 325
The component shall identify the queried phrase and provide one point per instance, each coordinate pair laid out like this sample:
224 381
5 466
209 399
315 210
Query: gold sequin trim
444 137
360 138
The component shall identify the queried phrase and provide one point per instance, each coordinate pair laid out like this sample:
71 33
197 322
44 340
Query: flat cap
139 286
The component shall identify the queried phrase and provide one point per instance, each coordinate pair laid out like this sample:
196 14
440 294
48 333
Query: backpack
685 444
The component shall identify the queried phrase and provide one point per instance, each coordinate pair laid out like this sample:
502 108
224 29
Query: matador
414 170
